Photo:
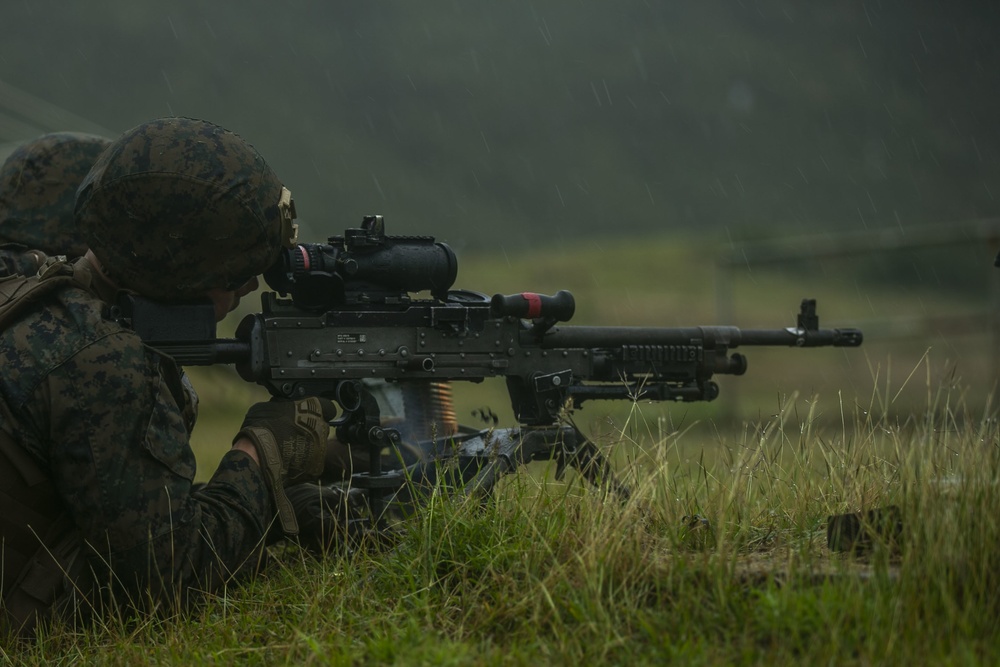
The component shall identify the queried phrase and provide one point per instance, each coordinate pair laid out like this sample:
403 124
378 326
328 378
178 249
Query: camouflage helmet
38 183
177 206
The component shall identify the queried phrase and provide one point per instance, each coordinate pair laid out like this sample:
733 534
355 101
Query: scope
363 266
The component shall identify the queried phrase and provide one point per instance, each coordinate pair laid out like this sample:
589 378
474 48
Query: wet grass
719 558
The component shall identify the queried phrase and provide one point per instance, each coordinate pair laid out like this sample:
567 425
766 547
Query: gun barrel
710 337
798 337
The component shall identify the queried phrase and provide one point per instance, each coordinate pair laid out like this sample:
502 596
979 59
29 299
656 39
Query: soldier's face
225 300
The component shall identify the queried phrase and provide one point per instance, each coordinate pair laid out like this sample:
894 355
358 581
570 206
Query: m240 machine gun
367 305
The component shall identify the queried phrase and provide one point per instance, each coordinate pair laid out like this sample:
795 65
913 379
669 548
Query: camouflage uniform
104 414
38 184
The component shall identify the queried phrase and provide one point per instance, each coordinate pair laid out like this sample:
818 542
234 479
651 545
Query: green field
555 573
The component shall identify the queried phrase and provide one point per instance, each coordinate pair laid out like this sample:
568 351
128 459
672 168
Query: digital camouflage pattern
109 419
38 184
178 206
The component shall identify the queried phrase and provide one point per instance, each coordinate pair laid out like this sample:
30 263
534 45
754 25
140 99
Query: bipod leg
502 451
584 456
486 458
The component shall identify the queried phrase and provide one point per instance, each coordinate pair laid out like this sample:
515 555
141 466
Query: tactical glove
290 438
342 461
326 515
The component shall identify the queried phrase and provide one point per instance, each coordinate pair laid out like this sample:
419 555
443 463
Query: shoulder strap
18 293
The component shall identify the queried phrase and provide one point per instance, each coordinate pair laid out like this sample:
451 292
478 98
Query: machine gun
368 305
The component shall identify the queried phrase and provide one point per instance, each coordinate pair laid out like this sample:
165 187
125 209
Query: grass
554 572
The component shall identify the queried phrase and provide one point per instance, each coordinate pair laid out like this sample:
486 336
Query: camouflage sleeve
123 463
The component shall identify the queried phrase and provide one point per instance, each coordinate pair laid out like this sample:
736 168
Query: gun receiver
463 337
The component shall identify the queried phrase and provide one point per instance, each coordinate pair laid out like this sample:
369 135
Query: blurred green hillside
520 124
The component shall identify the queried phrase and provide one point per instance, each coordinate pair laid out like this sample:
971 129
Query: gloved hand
325 515
290 438
342 461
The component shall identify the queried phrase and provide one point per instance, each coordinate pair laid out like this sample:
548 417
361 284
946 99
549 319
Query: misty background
637 152
524 124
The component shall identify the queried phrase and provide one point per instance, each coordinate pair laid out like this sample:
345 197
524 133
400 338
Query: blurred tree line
522 124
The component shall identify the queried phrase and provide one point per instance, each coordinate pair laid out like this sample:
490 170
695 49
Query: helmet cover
38 184
178 206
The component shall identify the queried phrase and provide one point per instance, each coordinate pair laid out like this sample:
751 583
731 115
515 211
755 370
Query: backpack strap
18 292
